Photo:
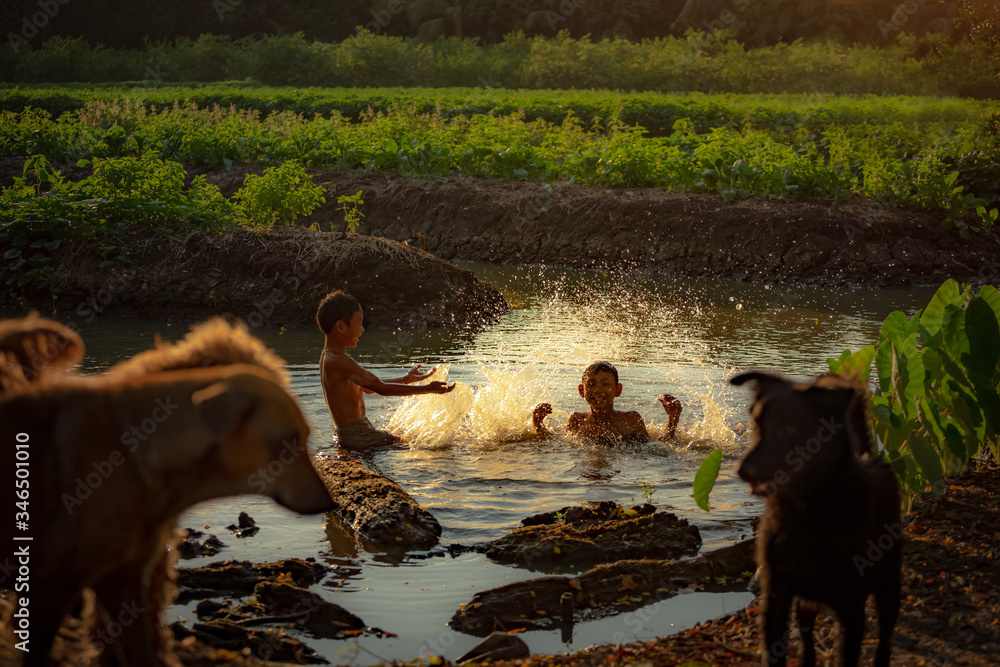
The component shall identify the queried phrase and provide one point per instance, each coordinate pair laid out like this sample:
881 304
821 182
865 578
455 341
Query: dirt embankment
275 277
677 233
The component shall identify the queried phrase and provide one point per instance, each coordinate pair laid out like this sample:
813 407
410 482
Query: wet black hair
337 306
601 367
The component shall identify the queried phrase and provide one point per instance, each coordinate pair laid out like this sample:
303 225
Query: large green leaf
859 363
895 323
944 435
907 373
927 458
890 424
948 294
983 334
704 479
991 295
966 411
952 368
883 366
953 335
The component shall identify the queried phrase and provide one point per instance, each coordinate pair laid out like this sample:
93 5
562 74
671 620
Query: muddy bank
276 277
604 590
663 231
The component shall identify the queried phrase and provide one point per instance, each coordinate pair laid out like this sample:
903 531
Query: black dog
831 532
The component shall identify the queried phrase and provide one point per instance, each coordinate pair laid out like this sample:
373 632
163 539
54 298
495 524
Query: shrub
279 195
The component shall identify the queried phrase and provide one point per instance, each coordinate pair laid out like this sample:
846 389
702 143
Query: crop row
916 165
656 112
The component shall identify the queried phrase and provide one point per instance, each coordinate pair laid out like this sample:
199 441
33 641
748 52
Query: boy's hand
671 405
541 411
439 387
416 375
538 415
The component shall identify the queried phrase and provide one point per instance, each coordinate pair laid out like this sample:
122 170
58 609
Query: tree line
135 23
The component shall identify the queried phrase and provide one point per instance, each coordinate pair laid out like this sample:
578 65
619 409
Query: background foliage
695 62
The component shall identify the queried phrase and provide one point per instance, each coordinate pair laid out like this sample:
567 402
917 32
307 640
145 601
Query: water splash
499 411
711 432
502 408
432 421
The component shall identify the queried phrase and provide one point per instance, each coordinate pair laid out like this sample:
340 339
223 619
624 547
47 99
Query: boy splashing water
345 382
603 423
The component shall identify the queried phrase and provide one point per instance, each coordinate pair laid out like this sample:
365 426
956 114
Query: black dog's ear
764 380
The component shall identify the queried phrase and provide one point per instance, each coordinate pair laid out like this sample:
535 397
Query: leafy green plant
704 479
959 203
35 220
935 404
279 195
348 205
647 491
41 212
896 151
936 397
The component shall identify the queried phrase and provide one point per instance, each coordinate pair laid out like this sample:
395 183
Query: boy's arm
673 408
353 371
413 375
538 415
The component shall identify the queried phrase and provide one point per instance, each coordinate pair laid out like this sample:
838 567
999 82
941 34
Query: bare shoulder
576 420
634 418
634 425
334 363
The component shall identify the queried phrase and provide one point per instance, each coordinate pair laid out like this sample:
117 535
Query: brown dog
831 532
112 462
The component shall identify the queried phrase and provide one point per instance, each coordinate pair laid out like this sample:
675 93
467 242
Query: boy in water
345 382
600 388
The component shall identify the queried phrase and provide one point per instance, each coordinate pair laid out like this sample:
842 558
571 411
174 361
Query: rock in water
377 509
595 533
497 646
321 618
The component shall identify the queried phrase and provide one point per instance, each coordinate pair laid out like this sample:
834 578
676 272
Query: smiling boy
600 388
345 382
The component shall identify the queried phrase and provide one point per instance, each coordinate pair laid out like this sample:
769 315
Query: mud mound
675 233
595 533
274 277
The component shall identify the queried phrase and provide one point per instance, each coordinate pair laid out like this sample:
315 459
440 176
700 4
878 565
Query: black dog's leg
805 614
852 627
777 606
887 604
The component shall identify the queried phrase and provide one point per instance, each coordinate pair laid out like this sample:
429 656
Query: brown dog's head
801 429
260 436
32 345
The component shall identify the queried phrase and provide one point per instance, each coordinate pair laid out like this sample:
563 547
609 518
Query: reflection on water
473 461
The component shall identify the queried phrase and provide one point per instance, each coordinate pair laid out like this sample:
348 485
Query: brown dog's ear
764 380
35 344
224 405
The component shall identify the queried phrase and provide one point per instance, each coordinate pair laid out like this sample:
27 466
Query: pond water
472 463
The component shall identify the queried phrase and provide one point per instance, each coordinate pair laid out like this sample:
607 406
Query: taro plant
935 402
936 395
